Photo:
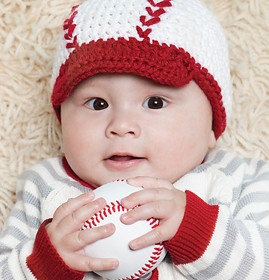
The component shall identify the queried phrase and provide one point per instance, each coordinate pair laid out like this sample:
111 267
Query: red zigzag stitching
116 206
154 16
69 27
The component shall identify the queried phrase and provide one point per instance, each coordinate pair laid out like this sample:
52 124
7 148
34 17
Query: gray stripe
259 165
38 181
236 193
233 165
29 198
6 273
7 267
255 176
28 220
216 201
16 233
218 157
3 249
221 258
66 180
251 198
252 179
264 236
43 186
248 259
258 216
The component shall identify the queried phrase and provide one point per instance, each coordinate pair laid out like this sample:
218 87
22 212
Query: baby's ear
212 140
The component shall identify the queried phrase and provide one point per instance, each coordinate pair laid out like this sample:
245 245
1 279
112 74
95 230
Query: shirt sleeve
16 241
195 231
44 254
25 249
227 240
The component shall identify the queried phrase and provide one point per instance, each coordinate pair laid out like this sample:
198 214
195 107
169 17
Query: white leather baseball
132 264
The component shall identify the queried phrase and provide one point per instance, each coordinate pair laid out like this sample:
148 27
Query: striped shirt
224 233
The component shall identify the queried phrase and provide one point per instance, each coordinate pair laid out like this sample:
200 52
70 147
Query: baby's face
118 126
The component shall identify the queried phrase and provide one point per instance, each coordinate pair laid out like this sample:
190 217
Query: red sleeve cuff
195 230
45 263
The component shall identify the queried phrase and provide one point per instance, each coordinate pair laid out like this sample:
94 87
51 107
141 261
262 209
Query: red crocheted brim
164 64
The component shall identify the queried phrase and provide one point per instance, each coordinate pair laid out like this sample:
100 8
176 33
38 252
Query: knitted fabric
224 233
170 42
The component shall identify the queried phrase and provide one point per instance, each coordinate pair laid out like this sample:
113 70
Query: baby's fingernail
110 228
89 195
126 202
133 245
124 217
114 264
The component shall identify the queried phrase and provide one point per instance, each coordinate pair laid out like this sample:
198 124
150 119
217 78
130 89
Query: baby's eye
97 104
155 102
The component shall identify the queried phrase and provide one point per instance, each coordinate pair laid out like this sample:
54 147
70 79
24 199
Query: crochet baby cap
171 42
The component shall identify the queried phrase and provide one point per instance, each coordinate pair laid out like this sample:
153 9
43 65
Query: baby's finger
146 196
71 205
157 209
79 239
157 235
76 219
88 264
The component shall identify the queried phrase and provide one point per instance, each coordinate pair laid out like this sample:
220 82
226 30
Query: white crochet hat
168 41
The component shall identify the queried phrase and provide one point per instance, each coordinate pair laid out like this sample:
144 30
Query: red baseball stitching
114 207
154 16
69 27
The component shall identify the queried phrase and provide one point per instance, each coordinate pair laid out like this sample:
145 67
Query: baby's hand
69 240
160 200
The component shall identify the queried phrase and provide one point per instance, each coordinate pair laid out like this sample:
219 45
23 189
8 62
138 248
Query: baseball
132 264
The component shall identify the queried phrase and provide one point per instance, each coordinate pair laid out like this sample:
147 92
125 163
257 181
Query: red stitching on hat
69 27
156 13
154 16
162 4
149 22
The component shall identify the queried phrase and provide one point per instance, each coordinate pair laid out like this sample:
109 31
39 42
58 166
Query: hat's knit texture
169 41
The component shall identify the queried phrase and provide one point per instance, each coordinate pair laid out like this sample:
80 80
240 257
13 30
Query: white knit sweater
235 189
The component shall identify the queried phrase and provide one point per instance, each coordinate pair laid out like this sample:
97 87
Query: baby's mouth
123 158
121 162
